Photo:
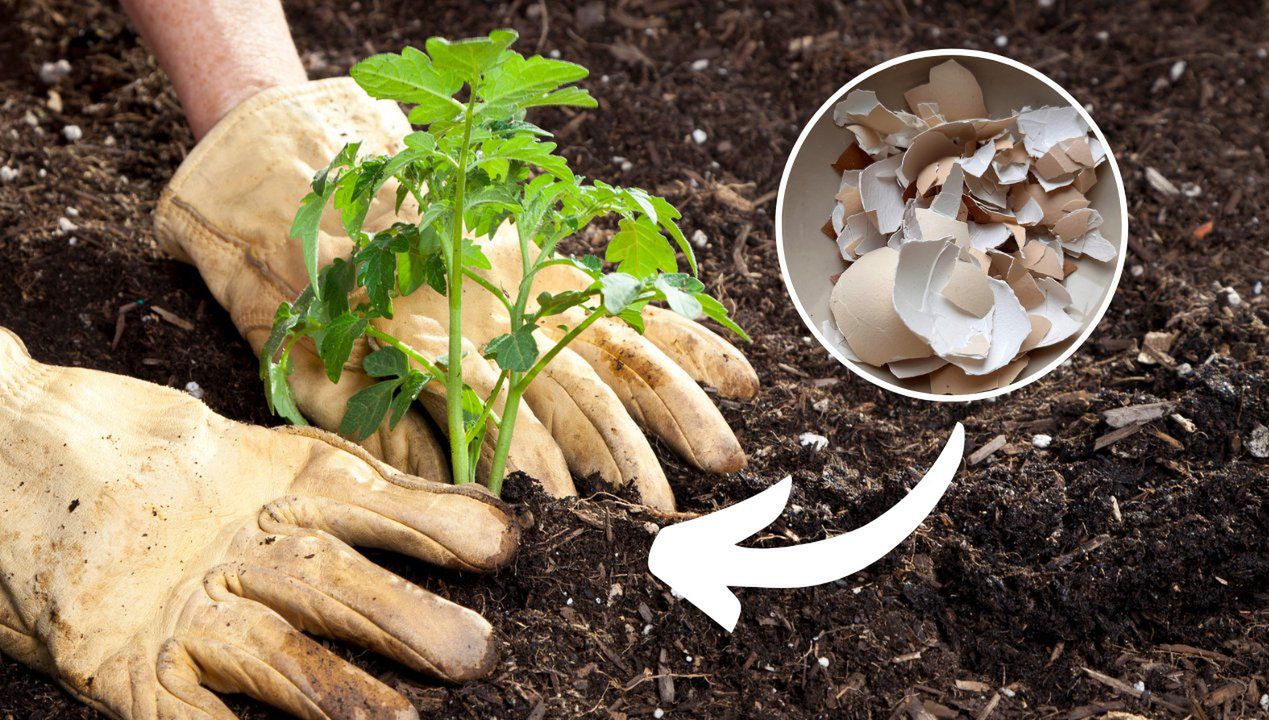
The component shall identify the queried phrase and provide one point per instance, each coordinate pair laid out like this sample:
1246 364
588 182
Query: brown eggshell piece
863 308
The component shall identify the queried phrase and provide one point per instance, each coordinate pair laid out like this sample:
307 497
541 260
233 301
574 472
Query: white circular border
1110 290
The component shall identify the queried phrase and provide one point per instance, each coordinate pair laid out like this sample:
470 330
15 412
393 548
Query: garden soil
1064 581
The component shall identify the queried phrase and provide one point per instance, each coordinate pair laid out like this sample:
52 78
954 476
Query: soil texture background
1076 580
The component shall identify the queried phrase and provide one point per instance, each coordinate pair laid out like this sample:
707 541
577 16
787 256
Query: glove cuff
283 110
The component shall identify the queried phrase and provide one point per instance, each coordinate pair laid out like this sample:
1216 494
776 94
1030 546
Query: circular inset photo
951 225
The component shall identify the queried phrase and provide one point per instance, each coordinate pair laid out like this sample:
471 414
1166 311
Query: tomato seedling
475 163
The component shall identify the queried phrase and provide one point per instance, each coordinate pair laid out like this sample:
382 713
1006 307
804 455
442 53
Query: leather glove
152 551
229 210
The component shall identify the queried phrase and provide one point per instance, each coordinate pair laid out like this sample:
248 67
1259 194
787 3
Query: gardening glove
229 210
152 551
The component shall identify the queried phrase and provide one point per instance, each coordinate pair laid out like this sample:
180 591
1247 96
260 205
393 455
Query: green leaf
411 77
357 189
335 343
619 290
398 162
406 394
530 150
474 257
497 168
715 311
284 319
307 221
434 212
632 315
521 81
571 96
278 392
683 281
424 263
473 406
666 217
679 301
499 196
554 304
538 205
367 408
346 156
639 249
336 280
386 362
421 141
403 192
589 264
469 59
378 276
638 200
514 352
507 128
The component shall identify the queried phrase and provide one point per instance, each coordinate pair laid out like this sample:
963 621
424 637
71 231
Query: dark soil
1146 561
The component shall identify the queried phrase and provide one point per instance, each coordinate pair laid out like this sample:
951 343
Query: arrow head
690 556
700 562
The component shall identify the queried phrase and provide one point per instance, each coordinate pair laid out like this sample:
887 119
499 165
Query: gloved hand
229 210
150 549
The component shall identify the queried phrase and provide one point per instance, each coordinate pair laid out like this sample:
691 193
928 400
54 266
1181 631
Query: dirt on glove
1063 581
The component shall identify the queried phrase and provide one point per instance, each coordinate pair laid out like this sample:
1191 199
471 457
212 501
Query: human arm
218 53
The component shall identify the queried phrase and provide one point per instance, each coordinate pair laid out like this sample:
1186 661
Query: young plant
475 164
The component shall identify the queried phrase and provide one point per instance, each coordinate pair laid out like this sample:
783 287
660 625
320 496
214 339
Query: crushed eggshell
960 230
865 313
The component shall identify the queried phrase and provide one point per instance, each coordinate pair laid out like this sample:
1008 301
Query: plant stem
528 268
512 407
454 374
498 466
493 289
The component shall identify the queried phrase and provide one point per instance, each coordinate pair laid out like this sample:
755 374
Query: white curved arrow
699 559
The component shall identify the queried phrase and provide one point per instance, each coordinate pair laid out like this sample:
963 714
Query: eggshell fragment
951 380
1055 307
904 369
954 89
850 199
921 279
861 304
934 226
852 158
881 195
967 289
1040 326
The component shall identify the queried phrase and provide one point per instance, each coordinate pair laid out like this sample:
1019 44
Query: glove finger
705 356
532 451
593 429
180 696
661 396
322 586
243 647
368 504
412 446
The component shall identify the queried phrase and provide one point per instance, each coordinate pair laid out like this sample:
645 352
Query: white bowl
809 260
